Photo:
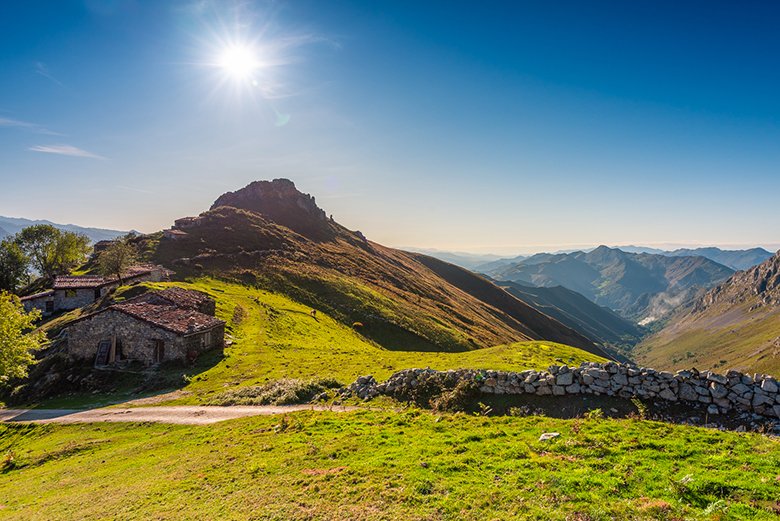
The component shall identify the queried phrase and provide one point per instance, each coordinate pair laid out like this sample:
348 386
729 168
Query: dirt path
184 414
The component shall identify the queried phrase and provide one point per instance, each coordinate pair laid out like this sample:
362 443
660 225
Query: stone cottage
73 292
179 297
147 330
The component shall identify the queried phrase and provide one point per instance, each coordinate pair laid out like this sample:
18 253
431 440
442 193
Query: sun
239 62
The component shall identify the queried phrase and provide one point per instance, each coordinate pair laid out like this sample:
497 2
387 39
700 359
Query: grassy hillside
275 337
727 336
278 239
383 465
735 325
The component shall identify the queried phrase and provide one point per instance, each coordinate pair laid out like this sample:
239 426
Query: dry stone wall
721 393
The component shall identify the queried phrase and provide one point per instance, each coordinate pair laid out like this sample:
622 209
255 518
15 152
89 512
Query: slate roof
80 282
181 321
97 281
42 294
183 298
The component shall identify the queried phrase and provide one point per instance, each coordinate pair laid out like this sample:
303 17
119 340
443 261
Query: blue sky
502 127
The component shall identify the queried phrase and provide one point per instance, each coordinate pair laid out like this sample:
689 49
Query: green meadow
407 464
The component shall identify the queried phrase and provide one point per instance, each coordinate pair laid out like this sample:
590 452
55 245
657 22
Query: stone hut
43 302
143 331
73 292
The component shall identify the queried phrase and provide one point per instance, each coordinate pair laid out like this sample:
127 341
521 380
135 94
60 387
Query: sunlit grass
385 465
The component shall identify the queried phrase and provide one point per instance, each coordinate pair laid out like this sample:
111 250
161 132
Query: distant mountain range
734 259
735 325
484 263
638 286
462 259
12 225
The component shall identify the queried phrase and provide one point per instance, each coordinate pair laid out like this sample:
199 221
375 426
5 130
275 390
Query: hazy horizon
530 126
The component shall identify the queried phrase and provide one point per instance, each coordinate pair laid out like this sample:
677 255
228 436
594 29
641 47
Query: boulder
769 385
718 390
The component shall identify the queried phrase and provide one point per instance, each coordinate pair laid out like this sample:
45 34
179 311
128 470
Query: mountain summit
270 235
281 202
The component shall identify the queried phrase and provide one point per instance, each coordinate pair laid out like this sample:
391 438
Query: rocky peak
760 283
281 202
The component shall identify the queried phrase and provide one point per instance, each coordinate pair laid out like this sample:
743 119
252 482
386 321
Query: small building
175 234
72 292
143 332
43 302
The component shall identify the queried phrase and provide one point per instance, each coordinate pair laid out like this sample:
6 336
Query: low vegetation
279 392
388 465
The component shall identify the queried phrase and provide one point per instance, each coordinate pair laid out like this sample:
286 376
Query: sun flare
239 61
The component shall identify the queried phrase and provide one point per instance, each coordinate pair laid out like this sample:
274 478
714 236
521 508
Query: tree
51 251
70 251
17 338
13 266
117 258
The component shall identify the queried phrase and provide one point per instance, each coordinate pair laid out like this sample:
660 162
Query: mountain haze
734 259
463 259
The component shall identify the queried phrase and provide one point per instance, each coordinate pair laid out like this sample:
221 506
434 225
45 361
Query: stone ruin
721 394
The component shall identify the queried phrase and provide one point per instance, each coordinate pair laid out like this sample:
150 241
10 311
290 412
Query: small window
97 293
207 339
70 293
49 306
159 351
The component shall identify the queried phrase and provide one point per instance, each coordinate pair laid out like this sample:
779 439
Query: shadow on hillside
55 383
396 338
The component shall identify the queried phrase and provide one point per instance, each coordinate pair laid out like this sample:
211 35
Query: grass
385 465
277 338
274 338
724 338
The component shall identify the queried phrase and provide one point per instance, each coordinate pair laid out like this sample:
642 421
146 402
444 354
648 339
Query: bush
279 392
457 399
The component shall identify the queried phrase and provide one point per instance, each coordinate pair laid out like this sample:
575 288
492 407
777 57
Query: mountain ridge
270 235
13 225
636 285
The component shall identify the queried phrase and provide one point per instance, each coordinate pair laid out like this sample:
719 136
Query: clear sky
474 126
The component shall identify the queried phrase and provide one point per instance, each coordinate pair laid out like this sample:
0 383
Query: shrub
595 414
279 392
457 399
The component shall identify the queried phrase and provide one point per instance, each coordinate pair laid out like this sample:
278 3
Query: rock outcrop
281 202
760 284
